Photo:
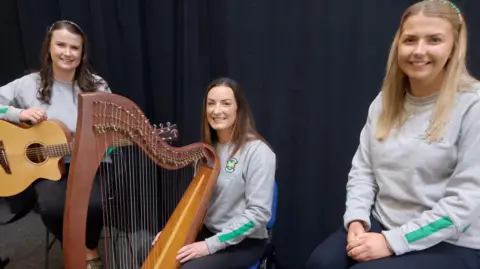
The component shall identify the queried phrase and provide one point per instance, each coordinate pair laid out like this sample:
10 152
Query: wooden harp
104 118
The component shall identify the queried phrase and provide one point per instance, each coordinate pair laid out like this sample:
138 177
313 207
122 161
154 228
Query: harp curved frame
187 218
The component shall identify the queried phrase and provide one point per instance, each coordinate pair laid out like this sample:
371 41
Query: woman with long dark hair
52 93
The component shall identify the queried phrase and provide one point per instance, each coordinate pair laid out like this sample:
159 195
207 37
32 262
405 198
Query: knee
189 265
316 262
195 264
95 203
95 209
322 258
49 207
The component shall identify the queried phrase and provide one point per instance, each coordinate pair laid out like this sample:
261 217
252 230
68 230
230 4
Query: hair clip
66 21
452 5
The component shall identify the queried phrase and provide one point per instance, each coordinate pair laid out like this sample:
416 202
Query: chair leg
47 248
4 263
269 261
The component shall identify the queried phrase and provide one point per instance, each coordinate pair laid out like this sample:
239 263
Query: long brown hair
244 129
396 82
84 77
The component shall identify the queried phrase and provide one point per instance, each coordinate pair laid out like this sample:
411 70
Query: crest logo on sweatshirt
230 167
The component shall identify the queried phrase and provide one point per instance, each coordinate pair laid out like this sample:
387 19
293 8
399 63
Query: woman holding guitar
51 93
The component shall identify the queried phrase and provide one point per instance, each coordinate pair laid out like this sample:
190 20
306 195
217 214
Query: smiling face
65 50
424 48
221 110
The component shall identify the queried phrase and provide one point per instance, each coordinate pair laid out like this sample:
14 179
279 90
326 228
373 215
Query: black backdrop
310 69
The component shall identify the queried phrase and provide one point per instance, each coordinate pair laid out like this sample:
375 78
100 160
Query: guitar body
20 160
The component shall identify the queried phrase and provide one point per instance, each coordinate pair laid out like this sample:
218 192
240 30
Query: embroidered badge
4 110
230 167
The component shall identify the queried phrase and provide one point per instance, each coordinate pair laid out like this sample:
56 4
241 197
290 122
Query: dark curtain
310 69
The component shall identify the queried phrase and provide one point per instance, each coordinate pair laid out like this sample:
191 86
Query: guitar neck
61 150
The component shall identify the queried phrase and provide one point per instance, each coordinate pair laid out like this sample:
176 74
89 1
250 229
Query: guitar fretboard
60 150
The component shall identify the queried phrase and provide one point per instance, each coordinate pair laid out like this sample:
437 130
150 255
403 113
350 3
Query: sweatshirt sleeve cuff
214 245
397 242
359 216
13 114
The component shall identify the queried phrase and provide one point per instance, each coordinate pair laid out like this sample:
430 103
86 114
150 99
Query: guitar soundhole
35 153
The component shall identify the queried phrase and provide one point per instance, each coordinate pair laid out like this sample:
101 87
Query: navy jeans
331 254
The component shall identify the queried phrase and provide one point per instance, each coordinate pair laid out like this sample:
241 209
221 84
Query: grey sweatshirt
423 193
241 202
21 94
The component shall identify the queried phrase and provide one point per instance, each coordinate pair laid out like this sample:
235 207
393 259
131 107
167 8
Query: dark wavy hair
83 77
244 125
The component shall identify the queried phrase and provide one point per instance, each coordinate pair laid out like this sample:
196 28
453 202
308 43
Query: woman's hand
156 238
35 115
193 251
369 246
355 229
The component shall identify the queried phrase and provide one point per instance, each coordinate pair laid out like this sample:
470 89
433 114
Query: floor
23 242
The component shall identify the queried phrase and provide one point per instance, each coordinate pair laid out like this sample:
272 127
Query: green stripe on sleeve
238 232
428 230
4 110
466 228
110 150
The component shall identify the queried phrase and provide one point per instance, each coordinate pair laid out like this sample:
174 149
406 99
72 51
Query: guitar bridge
3 159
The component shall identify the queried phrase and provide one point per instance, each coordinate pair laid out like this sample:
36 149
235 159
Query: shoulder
34 76
469 95
467 105
469 85
375 107
29 82
29 79
469 88
102 83
258 149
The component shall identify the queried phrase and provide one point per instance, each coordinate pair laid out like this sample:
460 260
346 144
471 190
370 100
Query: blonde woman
413 192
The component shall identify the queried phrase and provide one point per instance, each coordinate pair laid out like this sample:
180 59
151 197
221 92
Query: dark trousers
51 203
240 256
331 254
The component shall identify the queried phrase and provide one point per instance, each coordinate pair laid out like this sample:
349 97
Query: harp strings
138 196
114 190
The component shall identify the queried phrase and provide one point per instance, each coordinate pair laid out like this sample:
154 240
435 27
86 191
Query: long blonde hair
396 82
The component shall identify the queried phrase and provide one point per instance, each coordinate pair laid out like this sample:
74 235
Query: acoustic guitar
28 153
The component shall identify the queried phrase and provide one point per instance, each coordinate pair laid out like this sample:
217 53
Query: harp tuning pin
168 124
154 126
161 125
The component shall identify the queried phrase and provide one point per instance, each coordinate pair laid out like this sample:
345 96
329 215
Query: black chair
268 259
